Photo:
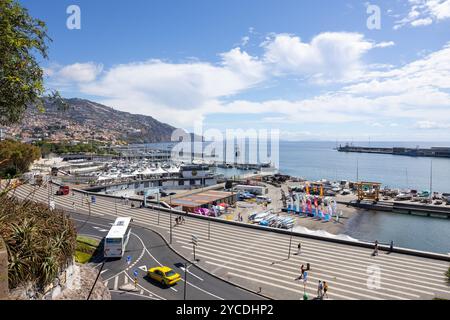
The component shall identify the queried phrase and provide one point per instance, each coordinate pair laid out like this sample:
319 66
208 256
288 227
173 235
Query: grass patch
81 257
85 249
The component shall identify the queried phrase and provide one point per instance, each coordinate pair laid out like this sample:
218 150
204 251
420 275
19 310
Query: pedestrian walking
375 249
325 289
320 290
302 272
391 248
299 249
305 280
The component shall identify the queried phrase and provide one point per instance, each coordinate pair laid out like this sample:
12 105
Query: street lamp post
185 280
170 220
290 242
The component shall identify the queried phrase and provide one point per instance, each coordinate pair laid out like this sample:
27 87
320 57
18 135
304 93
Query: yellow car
164 275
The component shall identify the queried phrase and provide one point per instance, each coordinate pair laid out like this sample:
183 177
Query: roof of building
200 199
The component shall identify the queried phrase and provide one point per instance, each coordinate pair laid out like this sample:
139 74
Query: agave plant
40 243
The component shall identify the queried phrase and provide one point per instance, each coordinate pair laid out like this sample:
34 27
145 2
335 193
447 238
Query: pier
438 152
403 208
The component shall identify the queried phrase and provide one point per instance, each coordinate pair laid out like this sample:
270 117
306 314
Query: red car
63 191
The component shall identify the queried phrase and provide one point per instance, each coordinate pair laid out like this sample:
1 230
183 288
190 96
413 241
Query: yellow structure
315 188
368 191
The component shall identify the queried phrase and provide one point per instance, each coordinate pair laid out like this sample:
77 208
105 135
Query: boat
403 197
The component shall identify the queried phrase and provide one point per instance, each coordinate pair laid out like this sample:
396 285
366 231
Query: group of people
322 290
179 220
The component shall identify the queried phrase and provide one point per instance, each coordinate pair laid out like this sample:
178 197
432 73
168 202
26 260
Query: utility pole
185 280
98 276
170 220
290 242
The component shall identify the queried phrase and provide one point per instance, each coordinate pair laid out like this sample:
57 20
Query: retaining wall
4 291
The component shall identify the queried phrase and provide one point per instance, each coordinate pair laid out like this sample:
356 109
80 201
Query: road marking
103 271
146 290
143 268
138 295
126 280
211 294
272 276
184 270
116 282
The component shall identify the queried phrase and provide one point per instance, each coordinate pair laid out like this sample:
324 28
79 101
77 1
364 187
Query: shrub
40 242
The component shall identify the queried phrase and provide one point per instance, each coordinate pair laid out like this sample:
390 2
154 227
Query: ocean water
319 160
414 232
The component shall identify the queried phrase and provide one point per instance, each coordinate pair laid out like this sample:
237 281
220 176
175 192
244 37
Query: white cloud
431 71
384 44
182 93
330 55
74 73
422 22
245 40
431 125
425 12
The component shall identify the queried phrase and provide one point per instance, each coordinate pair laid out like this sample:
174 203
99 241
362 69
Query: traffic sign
136 273
128 259
194 240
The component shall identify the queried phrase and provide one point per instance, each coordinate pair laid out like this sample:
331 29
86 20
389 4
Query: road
257 259
147 249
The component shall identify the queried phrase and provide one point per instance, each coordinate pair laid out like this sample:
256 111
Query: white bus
117 238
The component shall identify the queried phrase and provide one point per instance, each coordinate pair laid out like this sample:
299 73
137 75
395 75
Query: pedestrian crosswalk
258 259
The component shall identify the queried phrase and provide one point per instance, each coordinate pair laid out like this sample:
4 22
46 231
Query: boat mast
357 170
431 179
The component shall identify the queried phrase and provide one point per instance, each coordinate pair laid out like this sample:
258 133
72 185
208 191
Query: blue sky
312 69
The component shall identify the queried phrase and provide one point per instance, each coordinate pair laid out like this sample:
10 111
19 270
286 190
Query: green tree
16 157
22 37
